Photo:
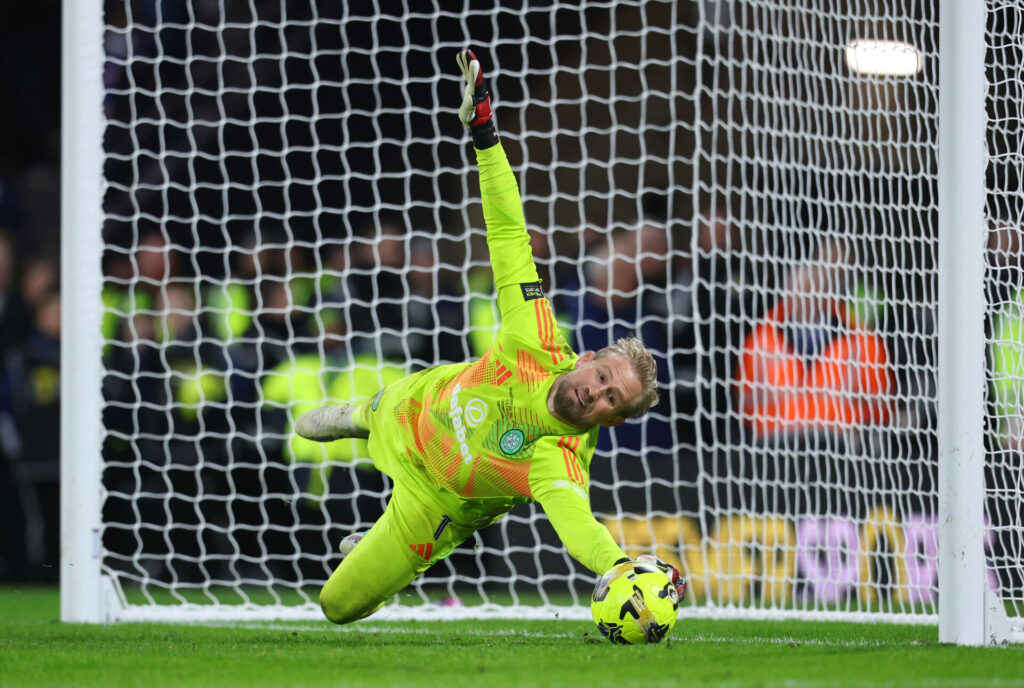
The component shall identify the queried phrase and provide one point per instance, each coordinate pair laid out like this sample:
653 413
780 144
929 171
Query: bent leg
421 526
417 530
377 568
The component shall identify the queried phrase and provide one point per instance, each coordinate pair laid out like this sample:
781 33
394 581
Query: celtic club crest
512 441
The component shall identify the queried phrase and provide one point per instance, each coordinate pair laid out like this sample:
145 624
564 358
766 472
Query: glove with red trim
475 113
671 571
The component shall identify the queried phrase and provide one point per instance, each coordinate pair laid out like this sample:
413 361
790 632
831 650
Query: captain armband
531 291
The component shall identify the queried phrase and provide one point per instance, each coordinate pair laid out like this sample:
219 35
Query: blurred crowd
30 323
789 358
204 375
29 289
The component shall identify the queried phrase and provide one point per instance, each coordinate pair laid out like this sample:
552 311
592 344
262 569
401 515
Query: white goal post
965 613
81 579
811 214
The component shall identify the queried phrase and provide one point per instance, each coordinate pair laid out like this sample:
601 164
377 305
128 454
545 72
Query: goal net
1004 309
289 216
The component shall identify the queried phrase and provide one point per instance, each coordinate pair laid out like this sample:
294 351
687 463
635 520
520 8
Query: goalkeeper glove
671 571
475 113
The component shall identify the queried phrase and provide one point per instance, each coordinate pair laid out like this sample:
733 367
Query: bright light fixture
883 58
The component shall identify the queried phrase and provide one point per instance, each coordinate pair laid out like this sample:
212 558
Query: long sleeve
586 540
560 481
507 238
528 323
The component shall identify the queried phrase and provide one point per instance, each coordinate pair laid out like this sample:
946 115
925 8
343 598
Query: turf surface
36 649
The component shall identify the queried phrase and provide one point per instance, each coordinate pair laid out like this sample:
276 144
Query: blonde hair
645 367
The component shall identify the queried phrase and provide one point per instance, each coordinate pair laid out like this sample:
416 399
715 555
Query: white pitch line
700 638
324 628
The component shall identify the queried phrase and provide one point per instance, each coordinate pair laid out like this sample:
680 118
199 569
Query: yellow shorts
422 524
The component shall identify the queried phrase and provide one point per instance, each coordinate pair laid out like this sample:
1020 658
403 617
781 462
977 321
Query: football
634 603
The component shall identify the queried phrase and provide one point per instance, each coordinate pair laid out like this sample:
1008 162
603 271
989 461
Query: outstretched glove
671 571
475 113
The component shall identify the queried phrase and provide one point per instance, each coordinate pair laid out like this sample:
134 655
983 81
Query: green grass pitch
36 649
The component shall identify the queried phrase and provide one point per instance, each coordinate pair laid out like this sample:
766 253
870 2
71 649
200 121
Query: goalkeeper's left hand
671 571
476 100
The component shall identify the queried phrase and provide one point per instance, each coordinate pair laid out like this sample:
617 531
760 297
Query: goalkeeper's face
597 392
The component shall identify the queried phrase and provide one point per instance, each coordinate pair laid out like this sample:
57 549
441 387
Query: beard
564 403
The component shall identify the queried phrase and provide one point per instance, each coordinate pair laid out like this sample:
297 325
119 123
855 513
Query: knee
335 608
343 609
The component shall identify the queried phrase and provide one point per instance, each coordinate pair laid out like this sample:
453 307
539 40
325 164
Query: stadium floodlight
883 58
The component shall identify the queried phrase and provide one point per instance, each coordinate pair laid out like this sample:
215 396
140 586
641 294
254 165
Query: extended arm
586 539
559 480
507 238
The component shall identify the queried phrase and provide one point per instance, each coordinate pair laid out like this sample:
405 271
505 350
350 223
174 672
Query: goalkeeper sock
349 543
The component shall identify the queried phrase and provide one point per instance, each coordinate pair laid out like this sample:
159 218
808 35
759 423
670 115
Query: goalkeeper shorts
421 525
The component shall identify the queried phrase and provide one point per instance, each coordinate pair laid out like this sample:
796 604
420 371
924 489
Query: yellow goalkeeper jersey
482 430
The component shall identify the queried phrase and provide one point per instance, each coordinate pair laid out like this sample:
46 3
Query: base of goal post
113 599
1000 628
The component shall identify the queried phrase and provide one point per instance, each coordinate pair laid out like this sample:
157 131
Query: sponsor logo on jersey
531 291
566 485
512 441
476 411
459 425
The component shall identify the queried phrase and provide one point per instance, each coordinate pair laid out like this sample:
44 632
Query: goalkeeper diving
464 443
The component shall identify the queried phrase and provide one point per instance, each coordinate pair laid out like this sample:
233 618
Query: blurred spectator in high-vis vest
297 385
1007 355
810 366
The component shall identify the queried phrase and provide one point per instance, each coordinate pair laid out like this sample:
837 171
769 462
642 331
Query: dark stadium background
365 138
352 146
30 217
323 156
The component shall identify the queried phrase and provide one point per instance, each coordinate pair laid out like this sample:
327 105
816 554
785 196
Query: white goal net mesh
292 218
1004 317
